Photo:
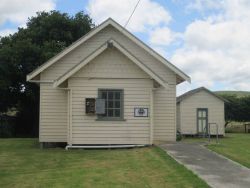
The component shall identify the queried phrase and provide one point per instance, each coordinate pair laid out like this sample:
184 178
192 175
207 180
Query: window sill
111 119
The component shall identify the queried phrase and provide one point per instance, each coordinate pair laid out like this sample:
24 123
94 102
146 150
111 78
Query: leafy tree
237 108
46 34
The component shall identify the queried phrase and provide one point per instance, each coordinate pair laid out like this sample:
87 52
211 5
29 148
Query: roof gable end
109 21
194 91
110 43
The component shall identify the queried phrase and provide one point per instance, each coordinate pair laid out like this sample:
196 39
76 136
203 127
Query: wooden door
202 120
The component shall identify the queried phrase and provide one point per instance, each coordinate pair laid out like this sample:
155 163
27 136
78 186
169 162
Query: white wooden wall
178 123
202 99
136 85
165 114
110 70
53 114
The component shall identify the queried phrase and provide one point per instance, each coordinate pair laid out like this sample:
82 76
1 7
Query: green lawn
235 146
23 164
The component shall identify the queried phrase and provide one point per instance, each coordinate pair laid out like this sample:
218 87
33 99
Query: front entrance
202 120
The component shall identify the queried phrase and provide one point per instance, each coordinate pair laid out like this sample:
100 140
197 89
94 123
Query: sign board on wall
140 112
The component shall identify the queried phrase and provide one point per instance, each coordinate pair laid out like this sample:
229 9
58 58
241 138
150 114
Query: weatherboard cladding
125 75
101 49
187 111
81 52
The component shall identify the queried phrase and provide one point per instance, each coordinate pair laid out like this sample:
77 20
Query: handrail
217 132
204 131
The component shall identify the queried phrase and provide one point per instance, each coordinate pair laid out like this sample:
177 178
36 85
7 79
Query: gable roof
192 92
109 21
109 44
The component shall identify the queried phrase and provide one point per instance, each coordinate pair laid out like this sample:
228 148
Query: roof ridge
193 91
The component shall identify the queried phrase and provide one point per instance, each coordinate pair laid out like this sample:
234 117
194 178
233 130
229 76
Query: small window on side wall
113 104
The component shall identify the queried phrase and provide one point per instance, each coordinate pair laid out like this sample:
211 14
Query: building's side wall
178 117
165 114
201 99
53 114
110 70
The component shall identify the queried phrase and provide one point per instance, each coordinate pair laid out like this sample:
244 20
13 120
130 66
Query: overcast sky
207 39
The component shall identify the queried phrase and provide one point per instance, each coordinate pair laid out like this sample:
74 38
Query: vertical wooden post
70 117
209 133
151 116
217 133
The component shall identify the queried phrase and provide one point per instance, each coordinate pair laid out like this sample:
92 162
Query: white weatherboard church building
107 88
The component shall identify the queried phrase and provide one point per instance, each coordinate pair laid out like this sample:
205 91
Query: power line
132 13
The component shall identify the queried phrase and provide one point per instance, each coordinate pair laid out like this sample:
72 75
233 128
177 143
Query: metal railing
205 132
217 132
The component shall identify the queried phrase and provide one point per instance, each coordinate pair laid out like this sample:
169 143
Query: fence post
209 132
217 133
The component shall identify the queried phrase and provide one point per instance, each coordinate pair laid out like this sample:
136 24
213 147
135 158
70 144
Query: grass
22 164
235 146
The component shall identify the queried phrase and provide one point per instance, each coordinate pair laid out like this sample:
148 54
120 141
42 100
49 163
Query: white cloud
18 11
148 14
233 9
216 49
162 36
202 5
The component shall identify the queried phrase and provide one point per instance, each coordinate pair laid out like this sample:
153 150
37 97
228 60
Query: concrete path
215 169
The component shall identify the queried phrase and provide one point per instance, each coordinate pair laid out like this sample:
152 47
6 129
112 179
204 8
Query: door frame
197 120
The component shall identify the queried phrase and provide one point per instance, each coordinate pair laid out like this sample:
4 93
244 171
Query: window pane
117 104
200 123
117 113
199 113
110 104
203 113
110 95
113 103
104 95
110 113
117 95
204 123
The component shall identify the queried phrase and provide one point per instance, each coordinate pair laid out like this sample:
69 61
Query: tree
237 108
46 34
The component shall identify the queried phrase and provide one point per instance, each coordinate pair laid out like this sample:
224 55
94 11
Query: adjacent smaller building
197 109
